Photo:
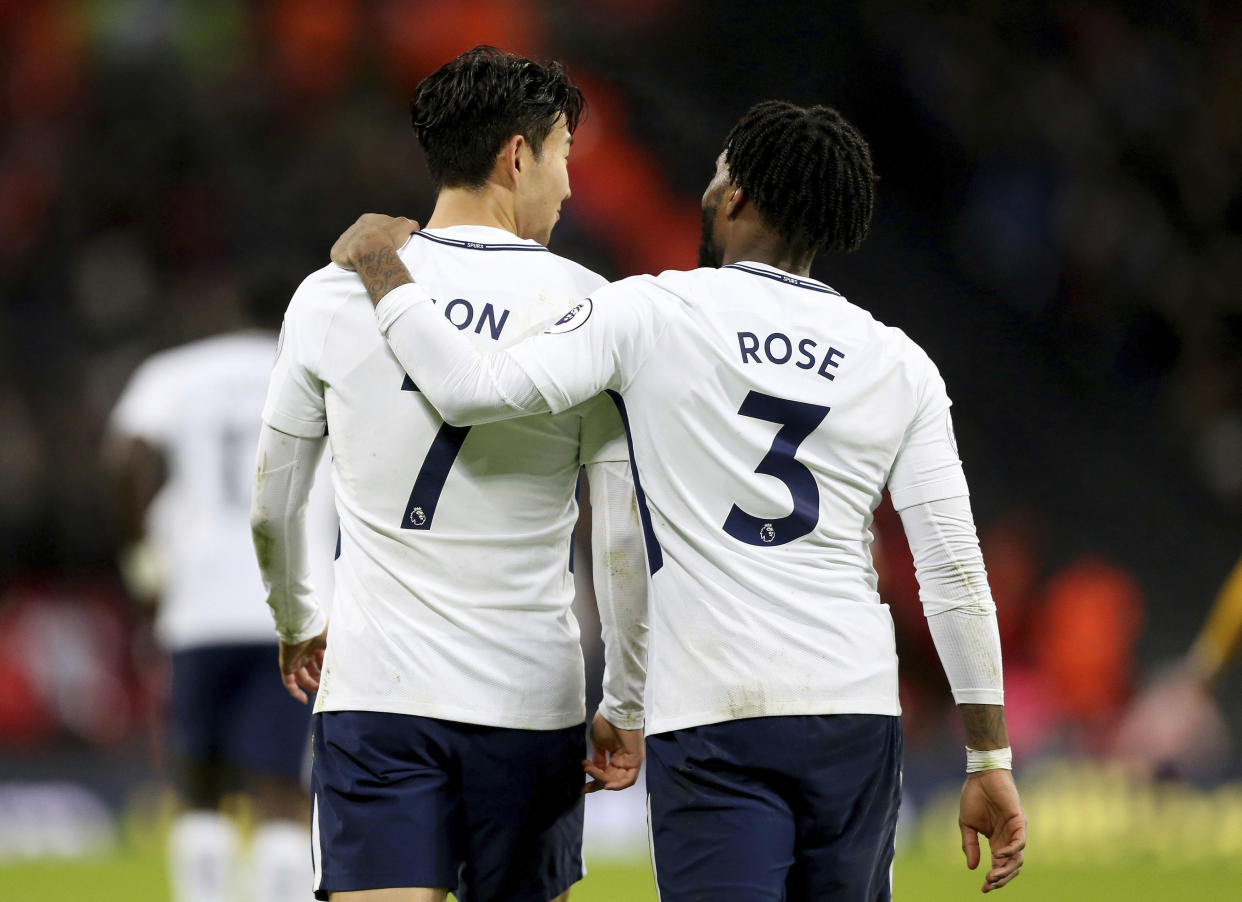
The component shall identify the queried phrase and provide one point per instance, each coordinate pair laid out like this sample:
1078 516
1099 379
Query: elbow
463 415
459 417
260 516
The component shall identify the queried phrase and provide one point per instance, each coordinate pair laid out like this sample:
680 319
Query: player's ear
510 157
735 200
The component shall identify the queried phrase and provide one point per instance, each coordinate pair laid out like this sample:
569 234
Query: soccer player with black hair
766 416
449 740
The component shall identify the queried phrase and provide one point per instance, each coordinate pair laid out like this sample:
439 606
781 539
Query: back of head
808 173
466 110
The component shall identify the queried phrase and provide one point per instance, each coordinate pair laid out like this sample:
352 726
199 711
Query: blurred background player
1175 726
766 416
180 451
448 728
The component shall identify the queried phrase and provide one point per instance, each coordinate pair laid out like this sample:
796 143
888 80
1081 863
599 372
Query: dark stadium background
1058 224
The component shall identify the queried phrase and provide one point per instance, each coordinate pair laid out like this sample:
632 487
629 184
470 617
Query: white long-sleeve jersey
199 406
453 585
767 415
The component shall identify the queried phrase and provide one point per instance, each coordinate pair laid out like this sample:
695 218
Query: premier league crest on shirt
573 319
417 517
767 533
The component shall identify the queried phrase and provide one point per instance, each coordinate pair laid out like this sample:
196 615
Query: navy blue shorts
228 706
776 809
493 814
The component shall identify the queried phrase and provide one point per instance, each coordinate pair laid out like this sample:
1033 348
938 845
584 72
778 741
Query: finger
1002 880
625 781
970 846
593 786
340 249
599 773
1003 866
1016 843
307 681
291 686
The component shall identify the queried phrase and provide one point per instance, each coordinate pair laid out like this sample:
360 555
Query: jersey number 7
797 420
429 483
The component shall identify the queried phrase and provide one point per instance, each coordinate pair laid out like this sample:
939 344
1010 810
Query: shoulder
316 303
323 291
584 281
907 357
669 284
902 346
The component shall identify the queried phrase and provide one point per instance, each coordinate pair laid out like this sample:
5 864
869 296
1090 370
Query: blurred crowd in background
1059 224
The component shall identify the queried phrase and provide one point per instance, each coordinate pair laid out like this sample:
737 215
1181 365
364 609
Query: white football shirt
453 588
767 415
199 405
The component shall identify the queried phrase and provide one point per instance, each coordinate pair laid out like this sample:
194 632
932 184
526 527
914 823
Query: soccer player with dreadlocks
766 416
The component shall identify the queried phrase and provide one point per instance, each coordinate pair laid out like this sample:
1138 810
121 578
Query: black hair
466 110
808 173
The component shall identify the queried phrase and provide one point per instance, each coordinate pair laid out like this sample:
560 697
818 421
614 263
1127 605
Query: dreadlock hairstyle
808 173
466 110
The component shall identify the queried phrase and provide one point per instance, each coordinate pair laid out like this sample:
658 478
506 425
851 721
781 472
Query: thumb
340 253
970 845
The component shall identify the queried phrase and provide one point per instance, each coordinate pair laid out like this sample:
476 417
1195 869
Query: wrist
979 760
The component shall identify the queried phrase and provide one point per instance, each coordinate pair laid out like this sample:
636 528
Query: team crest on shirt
574 318
767 534
417 517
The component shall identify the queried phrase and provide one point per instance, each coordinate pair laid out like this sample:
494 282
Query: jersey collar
779 275
479 238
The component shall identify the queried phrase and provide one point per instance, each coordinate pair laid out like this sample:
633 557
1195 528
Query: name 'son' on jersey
779 348
463 314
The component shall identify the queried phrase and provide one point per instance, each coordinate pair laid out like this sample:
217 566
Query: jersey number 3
797 420
429 483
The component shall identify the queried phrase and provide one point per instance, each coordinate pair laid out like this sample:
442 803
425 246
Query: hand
300 665
370 232
990 806
617 759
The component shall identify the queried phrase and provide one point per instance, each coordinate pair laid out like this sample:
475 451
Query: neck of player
486 206
749 238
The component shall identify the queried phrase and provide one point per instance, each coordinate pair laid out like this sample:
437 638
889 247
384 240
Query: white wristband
988 759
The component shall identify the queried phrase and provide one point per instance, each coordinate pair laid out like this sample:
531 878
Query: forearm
984 726
956 599
381 270
620 577
466 388
285 472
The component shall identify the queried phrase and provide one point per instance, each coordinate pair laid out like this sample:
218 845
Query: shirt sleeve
592 347
599 344
144 408
619 567
602 435
927 467
957 601
295 394
284 473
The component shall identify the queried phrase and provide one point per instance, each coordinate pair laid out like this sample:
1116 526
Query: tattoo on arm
381 272
985 726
